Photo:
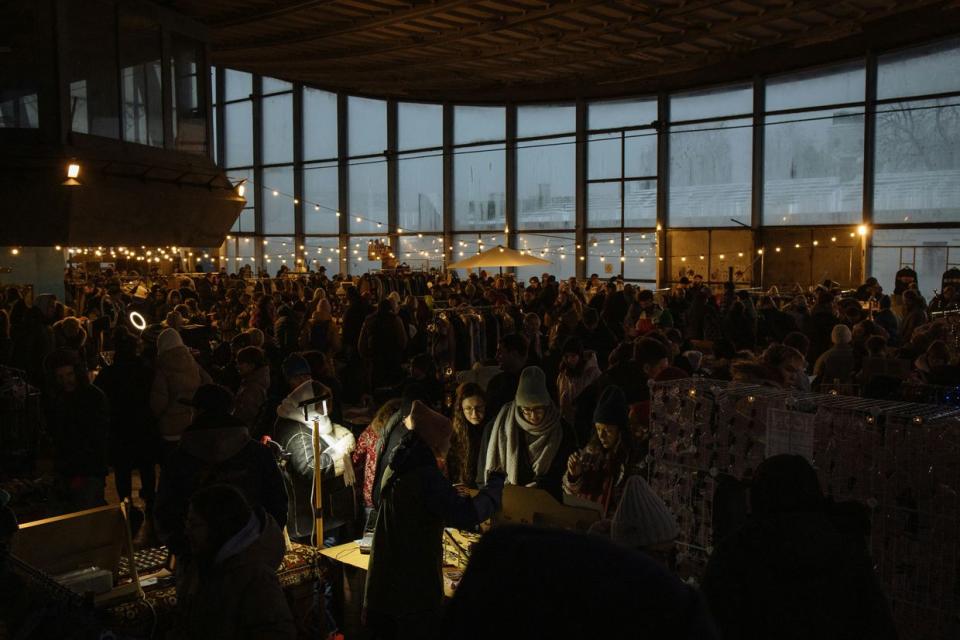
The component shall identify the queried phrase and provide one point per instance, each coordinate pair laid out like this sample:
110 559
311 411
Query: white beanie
168 339
642 519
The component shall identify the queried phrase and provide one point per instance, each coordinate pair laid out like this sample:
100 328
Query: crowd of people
231 379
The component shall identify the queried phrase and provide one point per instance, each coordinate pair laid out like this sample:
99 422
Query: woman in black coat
134 442
799 568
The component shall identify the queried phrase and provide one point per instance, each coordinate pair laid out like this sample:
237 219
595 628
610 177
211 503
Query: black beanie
611 407
411 393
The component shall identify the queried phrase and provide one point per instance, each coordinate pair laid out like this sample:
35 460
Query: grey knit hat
532 390
642 519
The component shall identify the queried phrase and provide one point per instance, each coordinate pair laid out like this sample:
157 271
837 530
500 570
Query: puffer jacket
177 377
239 596
252 395
295 436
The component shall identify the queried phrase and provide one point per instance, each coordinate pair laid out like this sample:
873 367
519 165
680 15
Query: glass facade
464 174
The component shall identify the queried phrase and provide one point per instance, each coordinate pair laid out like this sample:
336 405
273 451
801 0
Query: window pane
419 126
558 248
929 252
273 85
464 246
238 85
918 162
813 171
213 84
545 120
278 209
710 174
140 82
640 253
640 208
245 222
278 251
920 71
18 109
358 255
368 196
323 252
319 124
479 188
243 248
640 154
546 184
238 134
215 131
421 252
621 113
367 124
189 107
604 151
603 254
603 204
321 189
817 87
710 103
91 67
478 124
278 129
420 192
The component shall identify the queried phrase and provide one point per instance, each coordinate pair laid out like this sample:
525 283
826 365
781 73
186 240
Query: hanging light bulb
276 193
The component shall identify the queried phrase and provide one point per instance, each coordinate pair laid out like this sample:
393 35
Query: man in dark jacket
78 418
231 589
512 354
215 448
799 568
525 574
404 589
134 440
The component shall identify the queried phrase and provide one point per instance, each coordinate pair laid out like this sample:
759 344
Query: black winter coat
796 575
216 450
133 432
405 573
79 423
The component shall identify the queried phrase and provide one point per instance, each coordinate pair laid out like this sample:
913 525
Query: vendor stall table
153 616
353 563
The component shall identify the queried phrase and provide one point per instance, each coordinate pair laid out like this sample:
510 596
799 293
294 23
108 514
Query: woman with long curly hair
469 422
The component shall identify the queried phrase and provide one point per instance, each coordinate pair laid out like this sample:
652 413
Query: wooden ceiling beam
268 14
499 23
411 12
557 9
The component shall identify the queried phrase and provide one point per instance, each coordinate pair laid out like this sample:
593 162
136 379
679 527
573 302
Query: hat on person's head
573 345
295 365
45 302
532 390
211 399
411 393
642 519
168 339
611 407
841 334
151 334
435 429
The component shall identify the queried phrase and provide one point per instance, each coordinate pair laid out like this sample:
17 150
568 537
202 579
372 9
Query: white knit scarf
511 431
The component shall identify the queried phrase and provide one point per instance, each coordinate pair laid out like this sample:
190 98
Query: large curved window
465 174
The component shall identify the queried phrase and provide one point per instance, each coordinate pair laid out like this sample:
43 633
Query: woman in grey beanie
530 441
